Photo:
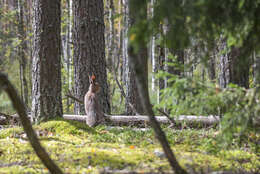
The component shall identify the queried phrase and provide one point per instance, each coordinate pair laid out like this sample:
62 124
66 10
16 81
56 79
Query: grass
77 148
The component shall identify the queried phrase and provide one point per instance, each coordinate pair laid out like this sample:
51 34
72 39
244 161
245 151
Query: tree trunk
138 60
161 61
129 75
125 12
256 68
239 68
66 43
152 50
224 69
22 48
233 68
46 65
89 50
212 68
111 34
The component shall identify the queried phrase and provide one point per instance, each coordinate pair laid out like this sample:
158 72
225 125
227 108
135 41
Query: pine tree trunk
132 95
142 55
89 51
152 50
46 65
161 60
239 68
29 23
233 68
111 34
212 68
224 69
256 68
66 42
125 12
22 48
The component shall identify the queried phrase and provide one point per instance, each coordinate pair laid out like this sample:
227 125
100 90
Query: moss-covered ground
79 149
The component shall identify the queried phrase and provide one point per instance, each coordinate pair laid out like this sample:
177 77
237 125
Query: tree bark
133 119
224 69
132 95
233 68
161 61
256 68
239 68
89 51
46 65
212 68
22 48
152 50
20 108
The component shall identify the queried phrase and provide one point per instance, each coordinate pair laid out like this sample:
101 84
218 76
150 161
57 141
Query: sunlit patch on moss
76 148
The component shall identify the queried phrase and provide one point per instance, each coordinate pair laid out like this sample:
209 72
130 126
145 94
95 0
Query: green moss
61 126
10 132
77 148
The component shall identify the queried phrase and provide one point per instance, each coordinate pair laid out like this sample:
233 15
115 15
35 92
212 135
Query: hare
93 111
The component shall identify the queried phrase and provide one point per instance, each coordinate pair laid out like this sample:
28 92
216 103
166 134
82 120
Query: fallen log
141 119
123 119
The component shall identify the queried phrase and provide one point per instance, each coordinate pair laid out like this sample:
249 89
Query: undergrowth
77 148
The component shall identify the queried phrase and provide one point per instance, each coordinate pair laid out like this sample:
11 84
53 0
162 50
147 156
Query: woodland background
195 58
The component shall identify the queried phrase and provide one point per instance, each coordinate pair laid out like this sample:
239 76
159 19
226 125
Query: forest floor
77 148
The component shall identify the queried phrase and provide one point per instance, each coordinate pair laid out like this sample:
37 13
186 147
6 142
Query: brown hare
93 111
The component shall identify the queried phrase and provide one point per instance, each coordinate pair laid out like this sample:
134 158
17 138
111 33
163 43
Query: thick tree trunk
89 51
46 65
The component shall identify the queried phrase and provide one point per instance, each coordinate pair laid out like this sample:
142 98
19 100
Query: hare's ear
92 79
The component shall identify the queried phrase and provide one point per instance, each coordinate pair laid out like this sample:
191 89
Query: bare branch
74 98
123 92
168 116
136 63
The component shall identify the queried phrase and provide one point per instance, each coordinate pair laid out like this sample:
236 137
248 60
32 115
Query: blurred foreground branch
20 108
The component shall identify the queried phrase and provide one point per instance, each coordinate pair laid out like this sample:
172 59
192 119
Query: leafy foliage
238 107
207 20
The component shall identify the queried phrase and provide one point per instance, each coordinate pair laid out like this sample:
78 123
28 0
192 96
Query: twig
74 98
173 122
123 93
